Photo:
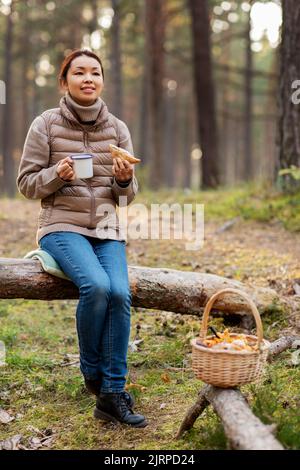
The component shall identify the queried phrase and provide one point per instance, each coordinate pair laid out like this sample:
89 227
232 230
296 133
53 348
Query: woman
73 227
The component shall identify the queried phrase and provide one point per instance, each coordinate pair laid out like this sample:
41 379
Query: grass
277 400
259 202
45 394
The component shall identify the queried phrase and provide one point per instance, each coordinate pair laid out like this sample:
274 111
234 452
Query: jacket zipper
85 142
92 204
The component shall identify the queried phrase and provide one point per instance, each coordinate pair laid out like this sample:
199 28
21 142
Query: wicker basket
229 368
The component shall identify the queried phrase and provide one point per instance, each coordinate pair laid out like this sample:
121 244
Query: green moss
9 335
28 361
251 202
276 400
3 309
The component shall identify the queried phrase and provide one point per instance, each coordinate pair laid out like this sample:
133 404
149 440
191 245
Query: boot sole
98 414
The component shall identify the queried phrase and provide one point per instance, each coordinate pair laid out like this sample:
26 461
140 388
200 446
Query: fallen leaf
133 345
296 288
136 386
33 429
47 442
11 443
5 417
295 357
165 378
34 443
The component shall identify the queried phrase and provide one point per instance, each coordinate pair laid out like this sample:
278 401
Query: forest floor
250 235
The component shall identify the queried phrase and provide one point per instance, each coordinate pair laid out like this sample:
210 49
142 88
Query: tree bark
289 112
170 139
116 63
155 34
268 164
153 288
25 82
8 160
280 345
248 157
244 430
205 94
144 135
186 140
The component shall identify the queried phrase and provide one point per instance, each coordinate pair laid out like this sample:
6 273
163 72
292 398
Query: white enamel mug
83 165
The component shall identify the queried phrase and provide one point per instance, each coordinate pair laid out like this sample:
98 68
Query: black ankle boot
93 386
114 407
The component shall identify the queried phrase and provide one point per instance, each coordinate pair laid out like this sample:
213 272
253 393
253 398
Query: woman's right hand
65 169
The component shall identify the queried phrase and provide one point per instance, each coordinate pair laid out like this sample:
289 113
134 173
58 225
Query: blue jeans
99 269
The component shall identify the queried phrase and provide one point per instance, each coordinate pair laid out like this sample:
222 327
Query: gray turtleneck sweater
85 114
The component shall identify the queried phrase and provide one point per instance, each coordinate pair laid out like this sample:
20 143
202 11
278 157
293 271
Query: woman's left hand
122 170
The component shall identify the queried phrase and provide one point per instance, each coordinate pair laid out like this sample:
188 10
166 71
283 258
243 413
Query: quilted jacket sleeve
131 189
35 179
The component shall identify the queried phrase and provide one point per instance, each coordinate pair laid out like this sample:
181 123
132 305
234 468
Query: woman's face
84 80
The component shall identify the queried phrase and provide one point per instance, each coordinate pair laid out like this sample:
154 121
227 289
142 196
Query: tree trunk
75 29
248 156
204 89
116 65
289 112
170 141
25 54
155 35
8 160
268 165
162 289
145 143
144 137
226 161
186 140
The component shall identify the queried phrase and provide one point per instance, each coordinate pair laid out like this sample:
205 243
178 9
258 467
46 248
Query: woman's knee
95 288
120 294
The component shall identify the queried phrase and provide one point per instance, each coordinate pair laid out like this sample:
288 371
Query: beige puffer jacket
86 206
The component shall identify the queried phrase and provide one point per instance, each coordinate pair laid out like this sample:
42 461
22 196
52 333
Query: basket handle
252 305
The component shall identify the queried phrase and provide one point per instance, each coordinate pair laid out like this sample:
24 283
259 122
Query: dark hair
62 77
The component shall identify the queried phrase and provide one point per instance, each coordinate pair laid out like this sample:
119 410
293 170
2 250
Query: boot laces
126 396
123 404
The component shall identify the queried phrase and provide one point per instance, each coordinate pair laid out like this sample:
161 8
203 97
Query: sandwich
117 152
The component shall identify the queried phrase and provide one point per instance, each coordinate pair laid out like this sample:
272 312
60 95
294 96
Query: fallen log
242 428
281 344
152 288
